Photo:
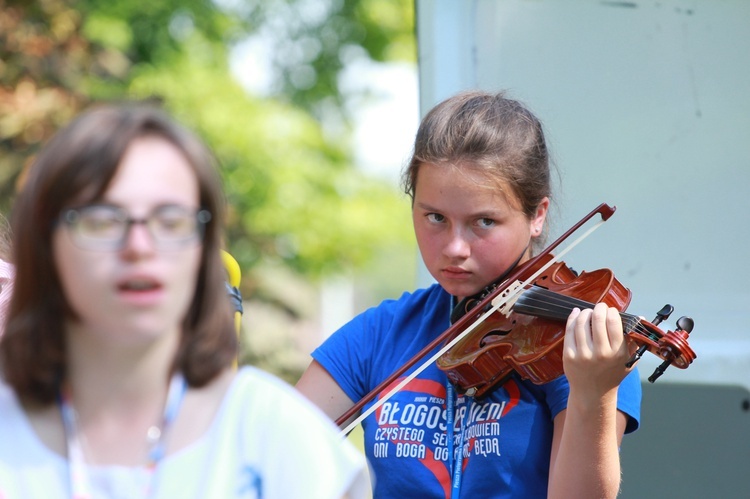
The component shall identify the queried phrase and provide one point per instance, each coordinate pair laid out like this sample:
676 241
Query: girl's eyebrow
487 213
425 206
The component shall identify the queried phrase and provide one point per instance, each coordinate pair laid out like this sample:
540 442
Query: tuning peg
685 324
663 314
636 356
659 371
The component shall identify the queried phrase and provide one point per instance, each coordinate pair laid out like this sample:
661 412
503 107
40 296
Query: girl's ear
537 221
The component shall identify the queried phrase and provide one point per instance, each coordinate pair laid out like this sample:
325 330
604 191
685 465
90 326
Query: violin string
543 303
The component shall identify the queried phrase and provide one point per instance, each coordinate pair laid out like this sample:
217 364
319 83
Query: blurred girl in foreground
117 357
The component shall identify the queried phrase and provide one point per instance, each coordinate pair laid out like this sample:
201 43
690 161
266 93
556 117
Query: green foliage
314 39
295 199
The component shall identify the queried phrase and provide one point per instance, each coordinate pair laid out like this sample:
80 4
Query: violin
528 338
517 324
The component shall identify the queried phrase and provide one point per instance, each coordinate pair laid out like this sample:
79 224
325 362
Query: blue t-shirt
507 435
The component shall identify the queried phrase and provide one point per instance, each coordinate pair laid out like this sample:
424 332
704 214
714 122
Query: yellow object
233 269
234 276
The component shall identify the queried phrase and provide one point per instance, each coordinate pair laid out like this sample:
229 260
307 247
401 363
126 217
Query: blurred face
137 289
468 232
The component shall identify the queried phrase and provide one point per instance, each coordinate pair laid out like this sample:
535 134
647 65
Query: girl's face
469 233
136 291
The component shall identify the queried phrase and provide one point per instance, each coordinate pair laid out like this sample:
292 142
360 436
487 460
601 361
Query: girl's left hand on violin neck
595 350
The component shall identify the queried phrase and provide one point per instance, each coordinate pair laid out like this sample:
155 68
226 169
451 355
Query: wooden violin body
527 338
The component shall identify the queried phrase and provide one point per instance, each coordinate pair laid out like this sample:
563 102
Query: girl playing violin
479 180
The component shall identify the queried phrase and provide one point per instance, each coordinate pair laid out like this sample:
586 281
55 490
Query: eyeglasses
106 227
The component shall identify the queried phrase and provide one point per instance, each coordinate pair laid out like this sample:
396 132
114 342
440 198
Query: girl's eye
485 222
435 217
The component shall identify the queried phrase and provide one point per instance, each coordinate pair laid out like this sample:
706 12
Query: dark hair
488 132
78 165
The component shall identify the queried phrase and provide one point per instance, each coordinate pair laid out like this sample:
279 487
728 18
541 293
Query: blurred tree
312 41
41 56
297 203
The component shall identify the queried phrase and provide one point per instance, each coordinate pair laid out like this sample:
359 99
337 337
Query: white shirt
267 441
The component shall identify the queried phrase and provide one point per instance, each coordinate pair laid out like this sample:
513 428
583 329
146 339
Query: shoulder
261 400
430 296
258 386
263 392
265 432
252 378
260 407
247 406
267 395
425 300
392 320
200 408
37 430
278 422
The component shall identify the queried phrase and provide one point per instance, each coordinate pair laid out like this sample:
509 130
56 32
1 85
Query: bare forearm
587 461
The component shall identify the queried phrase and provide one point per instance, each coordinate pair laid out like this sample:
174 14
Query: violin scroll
675 342
672 347
661 315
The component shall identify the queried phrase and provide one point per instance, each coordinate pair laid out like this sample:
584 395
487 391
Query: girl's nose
138 240
458 246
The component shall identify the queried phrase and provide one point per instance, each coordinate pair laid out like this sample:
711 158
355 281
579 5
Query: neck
118 392
98 365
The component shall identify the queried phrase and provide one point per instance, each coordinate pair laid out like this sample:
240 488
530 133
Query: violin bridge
508 298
